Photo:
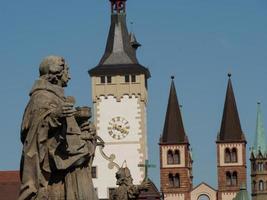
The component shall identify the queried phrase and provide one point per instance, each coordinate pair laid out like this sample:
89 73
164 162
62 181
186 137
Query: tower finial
118 6
172 77
229 74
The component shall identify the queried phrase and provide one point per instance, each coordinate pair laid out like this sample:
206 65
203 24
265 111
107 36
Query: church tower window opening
127 78
105 79
260 166
227 155
176 157
234 155
261 185
177 180
228 179
234 179
109 79
102 79
170 159
171 180
133 77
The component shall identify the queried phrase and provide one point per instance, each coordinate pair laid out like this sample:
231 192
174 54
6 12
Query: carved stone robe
47 169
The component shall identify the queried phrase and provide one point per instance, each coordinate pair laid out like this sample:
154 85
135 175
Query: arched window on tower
227 155
177 180
260 166
171 180
228 179
234 155
170 157
176 157
234 179
265 166
261 185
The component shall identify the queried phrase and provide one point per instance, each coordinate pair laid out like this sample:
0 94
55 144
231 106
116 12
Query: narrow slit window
102 79
133 78
127 78
109 79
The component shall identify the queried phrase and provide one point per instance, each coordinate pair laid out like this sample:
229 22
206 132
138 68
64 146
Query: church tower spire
258 160
230 126
260 140
175 156
173 132
231 149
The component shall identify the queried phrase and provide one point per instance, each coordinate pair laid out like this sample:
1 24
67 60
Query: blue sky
198 42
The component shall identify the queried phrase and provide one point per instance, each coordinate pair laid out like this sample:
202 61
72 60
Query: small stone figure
127 190
58 140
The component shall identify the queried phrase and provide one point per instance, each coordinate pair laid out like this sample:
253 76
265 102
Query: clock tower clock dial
118 128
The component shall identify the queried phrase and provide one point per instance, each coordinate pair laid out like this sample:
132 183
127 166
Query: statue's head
55 70
124 176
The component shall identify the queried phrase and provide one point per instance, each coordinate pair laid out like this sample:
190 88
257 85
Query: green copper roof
242 194
260 140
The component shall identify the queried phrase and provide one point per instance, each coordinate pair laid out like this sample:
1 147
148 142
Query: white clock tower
119 92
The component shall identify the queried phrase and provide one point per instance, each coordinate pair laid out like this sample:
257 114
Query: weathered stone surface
58 140
127 190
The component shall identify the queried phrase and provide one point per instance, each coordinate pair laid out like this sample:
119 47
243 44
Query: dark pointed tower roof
119 56
230 127
173 132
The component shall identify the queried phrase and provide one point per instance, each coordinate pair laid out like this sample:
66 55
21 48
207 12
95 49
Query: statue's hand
85 126
89 129
65 110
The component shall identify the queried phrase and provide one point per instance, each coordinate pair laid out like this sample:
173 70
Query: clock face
118 128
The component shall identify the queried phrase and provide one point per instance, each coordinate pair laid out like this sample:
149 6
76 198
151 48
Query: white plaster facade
132 148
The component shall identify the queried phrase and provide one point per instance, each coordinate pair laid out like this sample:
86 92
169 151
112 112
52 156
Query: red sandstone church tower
175 157
231 149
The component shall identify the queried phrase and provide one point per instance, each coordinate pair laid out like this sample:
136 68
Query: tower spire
173 132
260 140
230 126
120 53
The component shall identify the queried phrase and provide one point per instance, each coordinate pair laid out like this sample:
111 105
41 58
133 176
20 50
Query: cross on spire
146 166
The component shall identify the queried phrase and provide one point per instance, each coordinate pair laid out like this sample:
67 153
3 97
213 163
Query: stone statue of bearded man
58 140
